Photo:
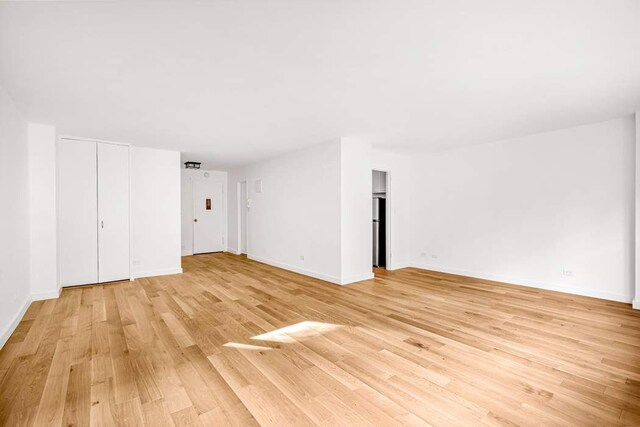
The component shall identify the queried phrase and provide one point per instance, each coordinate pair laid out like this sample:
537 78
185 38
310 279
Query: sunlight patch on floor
297 331
240 346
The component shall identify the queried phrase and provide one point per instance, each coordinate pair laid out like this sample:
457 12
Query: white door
77 212
113 212
208 216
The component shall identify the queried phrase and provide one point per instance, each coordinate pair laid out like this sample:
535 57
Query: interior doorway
380 210
243 224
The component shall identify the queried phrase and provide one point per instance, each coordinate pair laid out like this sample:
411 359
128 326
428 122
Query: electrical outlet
423 254
567 273
301 257
136 262
434 256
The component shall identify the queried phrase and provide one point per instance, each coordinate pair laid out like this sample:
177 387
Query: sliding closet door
113 212
77 212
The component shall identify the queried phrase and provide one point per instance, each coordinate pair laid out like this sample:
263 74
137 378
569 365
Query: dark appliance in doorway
379 232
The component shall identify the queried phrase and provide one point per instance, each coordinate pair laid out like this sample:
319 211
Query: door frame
239 214
387 215
193 212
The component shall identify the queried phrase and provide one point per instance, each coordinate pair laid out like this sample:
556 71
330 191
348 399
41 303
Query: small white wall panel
113 212
77 210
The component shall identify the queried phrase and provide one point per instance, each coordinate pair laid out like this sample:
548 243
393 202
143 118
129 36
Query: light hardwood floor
410 347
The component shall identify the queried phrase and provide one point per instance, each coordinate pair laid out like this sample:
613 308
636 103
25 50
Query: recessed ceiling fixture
192 165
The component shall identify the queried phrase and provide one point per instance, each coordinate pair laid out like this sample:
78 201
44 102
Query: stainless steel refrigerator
379 232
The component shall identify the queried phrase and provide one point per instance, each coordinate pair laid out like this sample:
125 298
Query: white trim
239 207
636 279
357 278
11 327
163 272
58 145
399 266
284 266
529 283
314 274
46 295
131 278
233 251
238 215
102 141
186 253
387 216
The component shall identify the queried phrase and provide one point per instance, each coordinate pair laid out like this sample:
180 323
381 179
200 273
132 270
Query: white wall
298 213
43 215
525 210
14 217
316 204
187 176
355 210
155 212
399 195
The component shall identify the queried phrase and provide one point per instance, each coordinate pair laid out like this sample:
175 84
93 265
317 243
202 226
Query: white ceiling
231 82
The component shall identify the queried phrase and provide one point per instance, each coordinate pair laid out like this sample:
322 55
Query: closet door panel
77 212
113 212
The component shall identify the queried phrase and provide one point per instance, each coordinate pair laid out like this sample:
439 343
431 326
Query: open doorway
380 229
243 210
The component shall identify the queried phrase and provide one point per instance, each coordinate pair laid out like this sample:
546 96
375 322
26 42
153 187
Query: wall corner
43 209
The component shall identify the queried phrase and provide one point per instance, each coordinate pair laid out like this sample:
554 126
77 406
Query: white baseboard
284 266
529 283
399 265
8 330
636 304
45 295
163 272
223 250
314 274
234 251
357 278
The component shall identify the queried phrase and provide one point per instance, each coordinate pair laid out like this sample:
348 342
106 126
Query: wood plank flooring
235 342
